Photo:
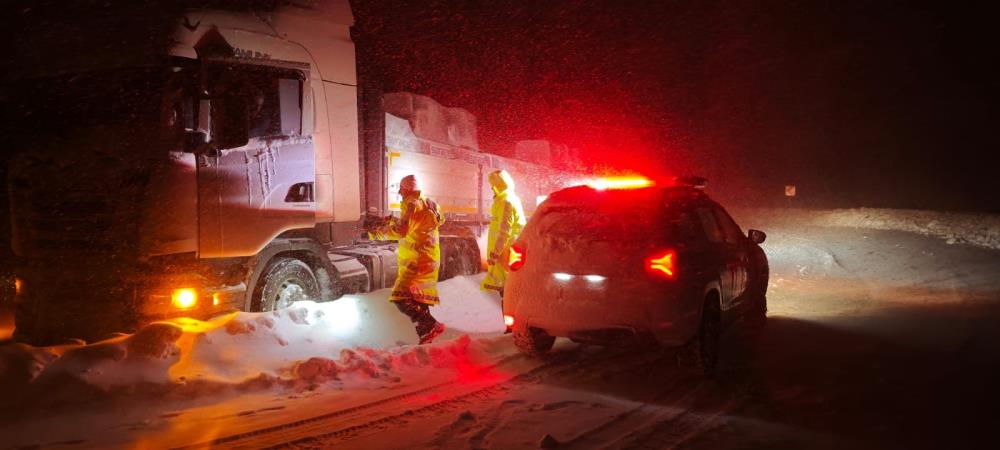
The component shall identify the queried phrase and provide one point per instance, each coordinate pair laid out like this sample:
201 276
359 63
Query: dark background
858 103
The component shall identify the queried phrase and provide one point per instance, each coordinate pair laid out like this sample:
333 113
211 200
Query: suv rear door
718 258
737 257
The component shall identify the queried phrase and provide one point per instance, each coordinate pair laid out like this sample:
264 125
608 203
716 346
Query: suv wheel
702 352
756 314
533 342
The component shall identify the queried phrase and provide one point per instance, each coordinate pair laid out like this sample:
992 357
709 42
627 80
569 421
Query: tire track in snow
551 369
652 426
231 439
673 431
611 430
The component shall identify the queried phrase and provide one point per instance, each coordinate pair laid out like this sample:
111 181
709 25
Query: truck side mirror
230 122
756 236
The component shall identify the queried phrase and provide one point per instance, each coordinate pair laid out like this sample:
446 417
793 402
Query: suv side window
709 224
688 229
730 230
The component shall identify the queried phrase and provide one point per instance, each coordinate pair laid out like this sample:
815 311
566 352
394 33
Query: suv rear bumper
617 311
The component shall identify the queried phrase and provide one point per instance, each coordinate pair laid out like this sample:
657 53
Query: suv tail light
516 258
663 264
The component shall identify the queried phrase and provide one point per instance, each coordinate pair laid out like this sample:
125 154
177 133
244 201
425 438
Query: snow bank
351 339
978 229
982 230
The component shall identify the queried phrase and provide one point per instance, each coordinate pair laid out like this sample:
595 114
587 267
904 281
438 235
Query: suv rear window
620 216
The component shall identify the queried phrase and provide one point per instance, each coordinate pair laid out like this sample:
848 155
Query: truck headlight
184 298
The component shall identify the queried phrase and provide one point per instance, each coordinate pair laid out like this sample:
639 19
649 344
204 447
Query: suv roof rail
692 181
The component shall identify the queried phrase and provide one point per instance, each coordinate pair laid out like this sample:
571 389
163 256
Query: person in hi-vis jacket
419 255
505 225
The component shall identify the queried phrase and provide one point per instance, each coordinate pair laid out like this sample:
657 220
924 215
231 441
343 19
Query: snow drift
348 340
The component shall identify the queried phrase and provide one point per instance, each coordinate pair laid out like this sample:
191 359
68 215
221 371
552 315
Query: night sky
857 103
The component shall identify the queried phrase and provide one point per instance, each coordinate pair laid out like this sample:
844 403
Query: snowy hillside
982 230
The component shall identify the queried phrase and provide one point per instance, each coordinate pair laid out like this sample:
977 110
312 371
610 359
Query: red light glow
601 184
663 264
516 259
508 320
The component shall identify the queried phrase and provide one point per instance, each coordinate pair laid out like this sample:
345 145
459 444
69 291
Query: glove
372 222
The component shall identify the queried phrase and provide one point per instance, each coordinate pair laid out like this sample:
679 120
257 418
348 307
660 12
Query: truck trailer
173 162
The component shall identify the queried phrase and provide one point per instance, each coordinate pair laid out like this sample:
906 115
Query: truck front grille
59 223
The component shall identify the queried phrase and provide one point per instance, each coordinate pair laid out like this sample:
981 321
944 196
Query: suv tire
533 342
701 354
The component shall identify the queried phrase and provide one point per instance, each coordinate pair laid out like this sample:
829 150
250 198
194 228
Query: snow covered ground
362 333
877 339
955 228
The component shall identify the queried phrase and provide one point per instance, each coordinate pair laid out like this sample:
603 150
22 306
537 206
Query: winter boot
435 331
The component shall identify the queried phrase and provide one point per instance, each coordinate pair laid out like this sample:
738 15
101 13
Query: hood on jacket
501 181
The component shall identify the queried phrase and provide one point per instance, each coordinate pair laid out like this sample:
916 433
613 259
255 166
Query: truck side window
290 100
265 117
273 97
709 224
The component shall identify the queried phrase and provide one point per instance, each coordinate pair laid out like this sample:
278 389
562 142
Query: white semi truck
221 161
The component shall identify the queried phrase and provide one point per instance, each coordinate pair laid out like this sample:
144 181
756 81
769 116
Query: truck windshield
133 97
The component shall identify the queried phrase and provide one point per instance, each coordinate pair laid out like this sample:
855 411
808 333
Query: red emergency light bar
601 184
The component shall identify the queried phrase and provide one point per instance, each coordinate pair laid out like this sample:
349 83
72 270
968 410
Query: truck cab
168 171
171 162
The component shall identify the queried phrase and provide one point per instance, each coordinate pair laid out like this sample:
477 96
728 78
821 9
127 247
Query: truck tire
533 342
26 326
285 281
701 354
460 258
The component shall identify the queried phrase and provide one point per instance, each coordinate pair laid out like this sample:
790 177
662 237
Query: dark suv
631 262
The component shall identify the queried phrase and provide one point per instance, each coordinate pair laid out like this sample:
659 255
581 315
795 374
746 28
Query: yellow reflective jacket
419 249
505 225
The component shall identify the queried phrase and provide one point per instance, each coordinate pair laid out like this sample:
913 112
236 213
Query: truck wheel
702 353
463 264
26 324
286 280
459 259
533 342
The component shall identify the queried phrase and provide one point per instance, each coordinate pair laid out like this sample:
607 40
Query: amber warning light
184 298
